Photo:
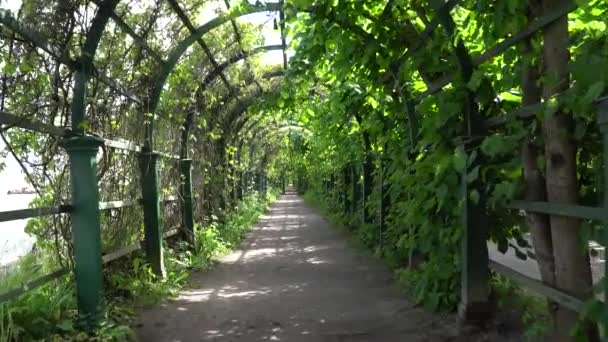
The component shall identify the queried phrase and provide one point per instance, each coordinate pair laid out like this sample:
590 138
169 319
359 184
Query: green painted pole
186 199
367 188
264 184
86 231
602 120
355 189
148 163
474 306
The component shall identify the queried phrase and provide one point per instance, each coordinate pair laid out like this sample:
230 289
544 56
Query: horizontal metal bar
40 41
172 231
119 204
562 209
12 294
169 155
13 120
499 48
422 38
529 111
106 258
169 199
122 145
537 286
522 113
139 40
35 38
134 147
532 28
20 214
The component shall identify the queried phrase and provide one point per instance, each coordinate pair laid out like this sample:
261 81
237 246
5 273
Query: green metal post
264 184
385 200
283 183
355 189
240 185
474 304
346 179
368 181
148 163
86 231
186 197
602 120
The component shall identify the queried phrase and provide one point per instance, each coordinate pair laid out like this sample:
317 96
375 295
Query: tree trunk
572 271
536 190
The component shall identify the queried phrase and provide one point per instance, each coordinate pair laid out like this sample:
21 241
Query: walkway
295 279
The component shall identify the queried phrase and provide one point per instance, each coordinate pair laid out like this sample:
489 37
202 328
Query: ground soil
297 278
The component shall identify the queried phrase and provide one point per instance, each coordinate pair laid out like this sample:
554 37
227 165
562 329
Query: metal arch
255 123
186 21
233 60
248 101
41 41
178 51
263 131
238 124
245 104
189 121
256 132
473 120
254 143
85 63
216 112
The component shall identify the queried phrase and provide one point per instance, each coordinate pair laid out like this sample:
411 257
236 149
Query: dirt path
294 279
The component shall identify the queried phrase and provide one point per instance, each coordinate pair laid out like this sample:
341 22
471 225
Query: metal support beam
602 120
184 18
148 163
186 199
474 304
86 231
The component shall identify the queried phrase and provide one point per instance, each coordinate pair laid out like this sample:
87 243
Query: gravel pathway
295 278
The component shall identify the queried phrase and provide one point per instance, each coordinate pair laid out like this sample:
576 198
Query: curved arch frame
189 120
178 51
212 76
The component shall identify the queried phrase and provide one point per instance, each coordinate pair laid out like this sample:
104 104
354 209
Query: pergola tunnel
461 141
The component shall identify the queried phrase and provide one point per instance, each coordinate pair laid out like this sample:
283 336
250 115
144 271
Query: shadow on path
295 278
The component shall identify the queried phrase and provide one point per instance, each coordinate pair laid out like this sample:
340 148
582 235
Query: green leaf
594 92
460 159
474 196
473 174
475 80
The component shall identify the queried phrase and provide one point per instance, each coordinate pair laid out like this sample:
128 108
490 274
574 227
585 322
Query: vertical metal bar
239 185
186 197
475 290
355 188
384 201
283 182
474 306
367 187
282 24
602 120
148 162
82 151
344 190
